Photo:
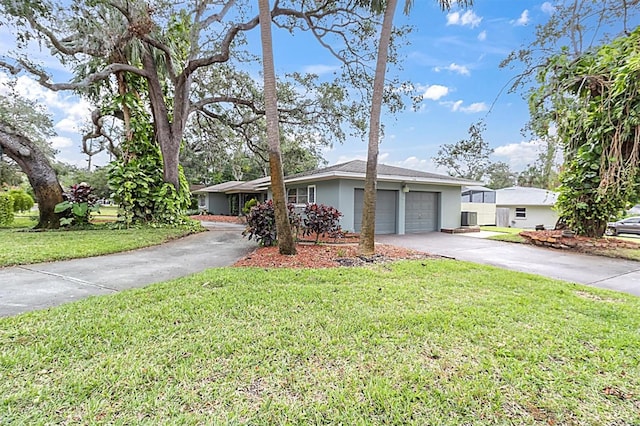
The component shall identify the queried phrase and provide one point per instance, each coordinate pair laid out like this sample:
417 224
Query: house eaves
251 187
381 178
355 170
221 187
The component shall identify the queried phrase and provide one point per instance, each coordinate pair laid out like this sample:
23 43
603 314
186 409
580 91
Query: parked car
630 225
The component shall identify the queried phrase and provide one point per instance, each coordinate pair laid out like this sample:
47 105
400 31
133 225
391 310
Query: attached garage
386 211
421 211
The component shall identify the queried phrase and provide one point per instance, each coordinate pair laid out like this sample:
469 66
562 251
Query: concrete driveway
615 274
31 287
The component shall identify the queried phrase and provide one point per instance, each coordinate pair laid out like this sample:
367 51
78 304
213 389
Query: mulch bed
330 252
326 256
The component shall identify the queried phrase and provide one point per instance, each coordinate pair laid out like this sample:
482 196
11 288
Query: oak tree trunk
41 175
167 136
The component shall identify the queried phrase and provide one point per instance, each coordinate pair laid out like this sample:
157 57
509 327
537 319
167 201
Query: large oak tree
24 131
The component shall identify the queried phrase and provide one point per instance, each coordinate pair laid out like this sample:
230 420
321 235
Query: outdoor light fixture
405 188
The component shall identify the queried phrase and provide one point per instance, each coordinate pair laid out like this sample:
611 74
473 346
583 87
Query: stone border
556 240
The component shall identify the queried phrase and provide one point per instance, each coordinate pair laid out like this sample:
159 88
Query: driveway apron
615 274
30 287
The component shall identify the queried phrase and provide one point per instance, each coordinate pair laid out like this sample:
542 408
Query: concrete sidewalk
31 287
615 274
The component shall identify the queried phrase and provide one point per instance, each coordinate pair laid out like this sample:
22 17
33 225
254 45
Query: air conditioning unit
469 219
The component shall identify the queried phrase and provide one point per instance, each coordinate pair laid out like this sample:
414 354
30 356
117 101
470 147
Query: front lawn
427 342
21 246
506 234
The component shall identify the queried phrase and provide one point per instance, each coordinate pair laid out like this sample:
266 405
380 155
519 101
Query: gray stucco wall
450 206
340 194
217 203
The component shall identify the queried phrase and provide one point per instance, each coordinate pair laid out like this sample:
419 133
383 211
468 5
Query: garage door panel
386 211
421 212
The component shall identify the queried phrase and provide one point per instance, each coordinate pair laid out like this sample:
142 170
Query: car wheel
611 232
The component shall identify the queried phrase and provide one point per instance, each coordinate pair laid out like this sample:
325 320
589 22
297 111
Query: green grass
511 235
434 342
512 238
621 253
627 237
106 214
507 234
19 246
501 229
22 221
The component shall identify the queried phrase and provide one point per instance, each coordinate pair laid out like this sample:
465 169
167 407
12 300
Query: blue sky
452 58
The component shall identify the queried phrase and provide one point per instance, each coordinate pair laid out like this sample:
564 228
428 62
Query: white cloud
457 106
523 19
78 162
435 92
519 154
469 18
68 125
482 36
320 69
58 142
70 111
414 163
475 107
454 106
453 67
547 8
79 109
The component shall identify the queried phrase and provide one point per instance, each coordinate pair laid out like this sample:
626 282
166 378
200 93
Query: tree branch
225 47
217 17
44 78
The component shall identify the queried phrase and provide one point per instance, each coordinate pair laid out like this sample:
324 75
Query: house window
292 195
311 194
302 195
521 213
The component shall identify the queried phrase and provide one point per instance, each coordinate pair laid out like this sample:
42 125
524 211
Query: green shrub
247 206
6 209
22 201
139 186
78 204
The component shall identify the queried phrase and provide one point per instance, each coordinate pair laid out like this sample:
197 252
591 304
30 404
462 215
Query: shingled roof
235 186
357 168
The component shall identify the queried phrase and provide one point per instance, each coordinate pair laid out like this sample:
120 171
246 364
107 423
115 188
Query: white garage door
421 212
386 208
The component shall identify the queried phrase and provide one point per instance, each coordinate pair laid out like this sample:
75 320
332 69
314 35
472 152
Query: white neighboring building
482 201
522 207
